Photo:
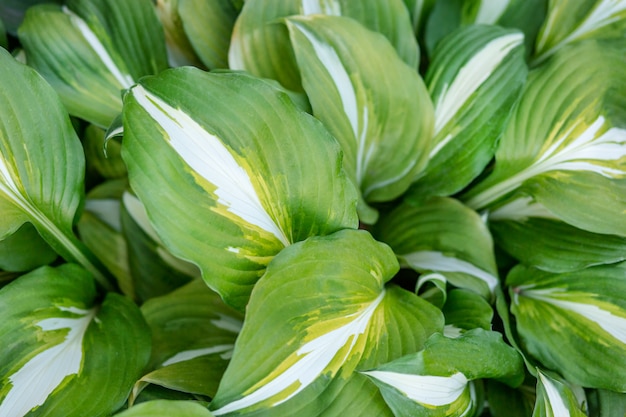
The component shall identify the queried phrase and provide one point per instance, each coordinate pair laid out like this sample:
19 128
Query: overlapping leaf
555 398
165 408
443 236
474 78
465 310
321 311
257 29
372 102
66 354
567 321
90 50
571 158
25 250
232 176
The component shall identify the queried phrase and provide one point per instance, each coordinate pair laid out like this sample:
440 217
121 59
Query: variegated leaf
238 161
373 103
567 321
68 355
321 311
555 398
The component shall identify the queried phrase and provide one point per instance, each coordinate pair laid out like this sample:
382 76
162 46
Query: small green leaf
103 156
68 356
166 408
505 401
465 310
25 250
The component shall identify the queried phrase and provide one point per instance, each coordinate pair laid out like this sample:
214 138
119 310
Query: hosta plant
313 208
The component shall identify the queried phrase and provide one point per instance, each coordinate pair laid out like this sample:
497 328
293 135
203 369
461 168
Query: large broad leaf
260 45
535 237
166 408
568 321
321 311
232 176
442 235
555 398
90 50
565 144
475 76
572 20
371 101
191 355
436 380
65 354
41 163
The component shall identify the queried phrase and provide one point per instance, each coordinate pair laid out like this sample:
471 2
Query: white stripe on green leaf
490 11
521 209
469 78
125 80
313 358
196 353
207 155
428 390
42 374
437 261
327 7
333 65
227 323
555 402
612 324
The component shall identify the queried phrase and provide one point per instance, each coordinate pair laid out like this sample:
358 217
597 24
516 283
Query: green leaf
442 235
41 163
436 380
67 354
257 30
237 158
555 398
90 50
551 244
604 403
166 408
505 401
4 43
192 355
567 321
474 78
419 11
12 12
321 311
371 101
103 156
465 310
569 21
575 147
25 250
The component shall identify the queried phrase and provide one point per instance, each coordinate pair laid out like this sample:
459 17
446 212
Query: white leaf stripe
327 7
41 375
313 358
490 11
424 389
196 353
610 323
332 63
555 402
205 153
125 80
438 262
521 209
469 78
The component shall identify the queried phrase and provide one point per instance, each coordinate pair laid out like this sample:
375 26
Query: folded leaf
567 321
371 101
239 158
474 78
576 147
257 30
89 51
442 235
555 398
68 355
321 310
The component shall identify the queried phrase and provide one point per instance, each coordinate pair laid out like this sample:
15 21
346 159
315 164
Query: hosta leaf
4 43
577 146
418 11
372 102
102 156
555 398
441 235
41 163
90 50
179 49
257 30
436 380
12 12
465 310
604 403
25 250
474 78
238 159
567 321
505 401
166 408
321 310
66 354
572 20
191 355
536 238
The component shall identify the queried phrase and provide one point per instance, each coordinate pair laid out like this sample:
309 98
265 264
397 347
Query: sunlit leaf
237 158
371 101
68 355
567 321
555 398
321 310
165 408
